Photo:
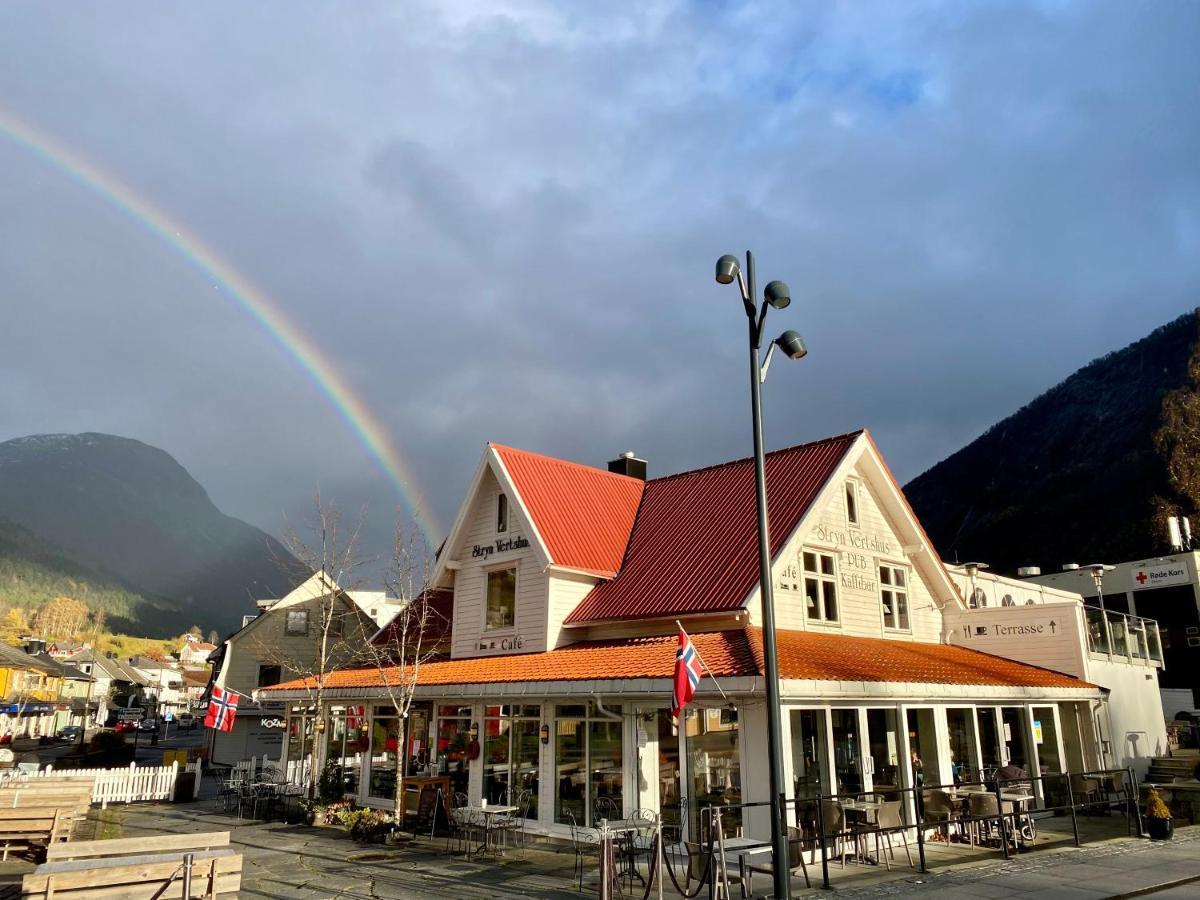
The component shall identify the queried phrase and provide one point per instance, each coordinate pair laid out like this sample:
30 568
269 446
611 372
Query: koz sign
273 722
1156 575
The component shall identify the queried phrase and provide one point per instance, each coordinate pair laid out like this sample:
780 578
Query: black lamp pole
790 343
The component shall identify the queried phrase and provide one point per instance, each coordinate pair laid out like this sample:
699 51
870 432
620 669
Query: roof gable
583 515
693 549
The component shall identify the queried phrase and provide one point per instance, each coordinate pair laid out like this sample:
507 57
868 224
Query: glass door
847 751
810 751
960 724
989 740
670 787
923 749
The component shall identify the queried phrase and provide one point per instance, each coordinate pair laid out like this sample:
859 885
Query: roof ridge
745 459
566 462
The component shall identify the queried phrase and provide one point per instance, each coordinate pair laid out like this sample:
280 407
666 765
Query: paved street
297 863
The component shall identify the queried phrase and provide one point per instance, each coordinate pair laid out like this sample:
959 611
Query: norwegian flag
355 716
687 673
222 710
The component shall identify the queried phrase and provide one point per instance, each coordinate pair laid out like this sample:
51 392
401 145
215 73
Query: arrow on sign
1053 625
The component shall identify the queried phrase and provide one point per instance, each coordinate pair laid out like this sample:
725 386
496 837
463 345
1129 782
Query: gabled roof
803 655
15 658
694 546
582 514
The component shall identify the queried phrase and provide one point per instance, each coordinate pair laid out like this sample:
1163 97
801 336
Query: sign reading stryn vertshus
500 545
1159 574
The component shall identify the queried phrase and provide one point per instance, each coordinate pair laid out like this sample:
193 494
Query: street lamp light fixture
776 296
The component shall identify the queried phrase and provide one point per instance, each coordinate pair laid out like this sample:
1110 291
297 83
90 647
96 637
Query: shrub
368 826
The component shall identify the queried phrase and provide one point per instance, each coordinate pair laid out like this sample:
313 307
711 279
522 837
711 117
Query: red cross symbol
1141 577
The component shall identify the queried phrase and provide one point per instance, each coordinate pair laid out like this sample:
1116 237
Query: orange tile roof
583 514
802 655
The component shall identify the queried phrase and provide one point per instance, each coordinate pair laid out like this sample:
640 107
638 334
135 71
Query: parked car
148 725
126 725
70 733
185 720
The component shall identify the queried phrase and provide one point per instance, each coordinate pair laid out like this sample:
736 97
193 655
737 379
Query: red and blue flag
222 709
687 673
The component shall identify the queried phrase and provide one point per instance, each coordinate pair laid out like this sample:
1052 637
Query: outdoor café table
626 829
867 809
744 848
489 814
1017 799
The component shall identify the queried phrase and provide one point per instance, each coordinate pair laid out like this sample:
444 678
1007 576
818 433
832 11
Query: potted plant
1158 817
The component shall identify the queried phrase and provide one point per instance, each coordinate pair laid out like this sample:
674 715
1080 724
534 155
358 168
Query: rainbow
367 429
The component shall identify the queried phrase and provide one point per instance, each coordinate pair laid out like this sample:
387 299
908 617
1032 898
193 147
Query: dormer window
501 513
851 503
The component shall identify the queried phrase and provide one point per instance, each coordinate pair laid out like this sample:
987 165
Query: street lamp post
776 295
1098 570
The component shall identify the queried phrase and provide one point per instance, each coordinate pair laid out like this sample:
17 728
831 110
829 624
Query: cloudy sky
499 221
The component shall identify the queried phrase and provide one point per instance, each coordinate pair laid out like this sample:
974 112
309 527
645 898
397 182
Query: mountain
1087 472
126 518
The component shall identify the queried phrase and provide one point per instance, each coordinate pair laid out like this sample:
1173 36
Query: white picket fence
130 785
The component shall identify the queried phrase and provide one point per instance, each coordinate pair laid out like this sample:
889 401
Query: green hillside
32 572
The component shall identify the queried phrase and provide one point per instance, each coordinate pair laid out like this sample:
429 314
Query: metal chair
514 823
795 858
461 825
985 810
701 863
605 808
834 819
585 842
889 821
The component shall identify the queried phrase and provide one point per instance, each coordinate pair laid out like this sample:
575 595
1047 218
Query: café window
512 757
501 513
501 599
851 503
453 743
893 592
820 587
297 622
269 675
588 766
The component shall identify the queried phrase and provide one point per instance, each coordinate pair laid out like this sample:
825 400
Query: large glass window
847 765
453 738
810 749
883 745
299 745
1045 735
989 739
385 750
669 788
893 587
511 754
960 723
588 765
501 599
714 764
1017 750
344 741
923 748
820 587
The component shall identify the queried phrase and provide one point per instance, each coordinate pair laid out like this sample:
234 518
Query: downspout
605 713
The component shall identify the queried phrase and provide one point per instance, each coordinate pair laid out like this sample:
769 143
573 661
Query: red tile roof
694 547
583 514
802 655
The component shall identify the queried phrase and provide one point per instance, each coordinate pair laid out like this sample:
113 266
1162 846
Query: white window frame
852 498
502 511
820 578
906 591
487 574
287 622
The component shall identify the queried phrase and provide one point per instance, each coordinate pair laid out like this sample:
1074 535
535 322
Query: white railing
134 784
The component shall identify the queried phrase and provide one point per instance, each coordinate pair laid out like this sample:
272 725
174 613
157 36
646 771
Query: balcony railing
1119 636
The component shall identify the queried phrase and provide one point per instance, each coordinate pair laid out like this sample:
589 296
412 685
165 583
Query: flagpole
703 663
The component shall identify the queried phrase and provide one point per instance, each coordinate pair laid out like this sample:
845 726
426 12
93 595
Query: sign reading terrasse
997 629
1154 575
500 545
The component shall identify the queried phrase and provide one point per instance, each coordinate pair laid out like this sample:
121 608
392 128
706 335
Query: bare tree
323 631
413 636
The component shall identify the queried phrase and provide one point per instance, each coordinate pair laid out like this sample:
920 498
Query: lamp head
777 295
728 269
791 343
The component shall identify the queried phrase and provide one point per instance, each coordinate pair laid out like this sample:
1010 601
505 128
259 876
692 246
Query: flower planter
1159 829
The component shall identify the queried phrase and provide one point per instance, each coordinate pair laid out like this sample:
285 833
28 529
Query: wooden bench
73 798
33 825
136 868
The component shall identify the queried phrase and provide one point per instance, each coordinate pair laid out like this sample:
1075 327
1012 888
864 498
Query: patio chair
796 841
702 866
462 825
889 821
641 842
937 807
985 811
1086 790
585 842
514 823
834 822
605 808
